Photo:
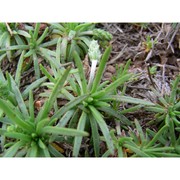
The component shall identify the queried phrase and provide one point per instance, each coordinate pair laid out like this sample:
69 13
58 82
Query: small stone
107 75
111 69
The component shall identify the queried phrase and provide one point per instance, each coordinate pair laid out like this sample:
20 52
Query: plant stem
92 73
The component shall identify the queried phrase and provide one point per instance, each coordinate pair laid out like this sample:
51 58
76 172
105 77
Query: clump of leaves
34 46
77 37
10 35
89 113
23 134
149 43
168 106
140 144
168 111
9 88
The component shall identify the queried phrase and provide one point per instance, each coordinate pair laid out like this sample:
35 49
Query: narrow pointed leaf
104 128
78 140
49 103
11 113
63 131
69 105
11 152
81 72
95 136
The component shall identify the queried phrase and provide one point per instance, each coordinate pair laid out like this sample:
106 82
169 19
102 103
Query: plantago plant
89 113
30 136
11 35
34 47
77 37
140 144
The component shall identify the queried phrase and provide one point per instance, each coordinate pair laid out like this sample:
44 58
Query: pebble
107 75
111 69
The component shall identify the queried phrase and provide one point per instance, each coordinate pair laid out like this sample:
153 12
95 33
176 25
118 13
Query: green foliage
34 46
10 35
168 107
77 37
98 102
29 136
140 144
89 105
149 43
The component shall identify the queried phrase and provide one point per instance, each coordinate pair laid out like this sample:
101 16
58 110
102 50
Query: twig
172 38
118 56
138 87
167 66
150 78
9 29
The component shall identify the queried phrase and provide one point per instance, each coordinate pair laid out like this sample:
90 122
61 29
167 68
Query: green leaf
112 86
2 57
19 98
42 37
13 149
17 135
63 131
58 51
101 68
132 109
19 40
46 73
31 105
19 69
58 26
36 66
69 105
41 124
3 38
23 33
29 53
172 133
116 114
174 89
156 109
86 40
177 106
81 71
177 129
129 100
41 144
33 151
160 149
32 86
36 31
15 47
162 154
83 26
49 103
49 43
156 137
12 114
136 150
139 129
78 140
7 45
65 119
63 48
95 136
72 47
98 117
